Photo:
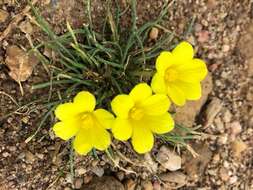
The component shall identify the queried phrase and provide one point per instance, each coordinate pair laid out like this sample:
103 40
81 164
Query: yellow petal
183 51
158 84
66 111
176 94
142 139
156 104
67 129
83 141
122 129
160 124
104 117
121 105
163 61
85 101
192 91
102 139
140 91
193 71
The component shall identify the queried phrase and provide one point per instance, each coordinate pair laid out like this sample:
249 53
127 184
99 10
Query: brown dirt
222 35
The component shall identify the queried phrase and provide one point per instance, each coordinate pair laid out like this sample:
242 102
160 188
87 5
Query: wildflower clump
80 119
178 74
142 113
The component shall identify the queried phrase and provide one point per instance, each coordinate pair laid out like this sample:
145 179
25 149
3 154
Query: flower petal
142 139
156 104
158 84
140 91
104 117
83 142
122 129
66 111
192 91
67 129
160 124
102 139
163 61
85 101
176 94
193 71
183 51
121 105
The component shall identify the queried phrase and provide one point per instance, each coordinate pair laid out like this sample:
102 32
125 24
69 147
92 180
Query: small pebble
153 35
78 183
225 48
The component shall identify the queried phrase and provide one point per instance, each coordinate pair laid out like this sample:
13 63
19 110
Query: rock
227 116
223 173
225 48
169 159
48 52
20 63
238 146
235 129
104 183
213 108
198 27
153 34
78 183
80 171
195 167
216 158
203 36
120 175
130 184
233 179
174 177
87 179
156 185
245 43
223 139
250 67
3 15
147 185
98 171
186 115
211 4
29 157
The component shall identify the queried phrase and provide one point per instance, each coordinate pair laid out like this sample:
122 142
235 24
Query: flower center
87 120
170 75
136 113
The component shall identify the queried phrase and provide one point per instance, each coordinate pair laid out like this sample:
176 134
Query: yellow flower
179 74
89 126
139 115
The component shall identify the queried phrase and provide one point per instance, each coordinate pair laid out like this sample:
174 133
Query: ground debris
169 159
104 183
20 63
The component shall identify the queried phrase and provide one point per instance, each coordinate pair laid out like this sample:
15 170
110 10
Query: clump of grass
105 63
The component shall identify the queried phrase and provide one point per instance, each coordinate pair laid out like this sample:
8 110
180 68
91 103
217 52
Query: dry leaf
26 27
20 63
174 177
195 167
3 15
169 159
